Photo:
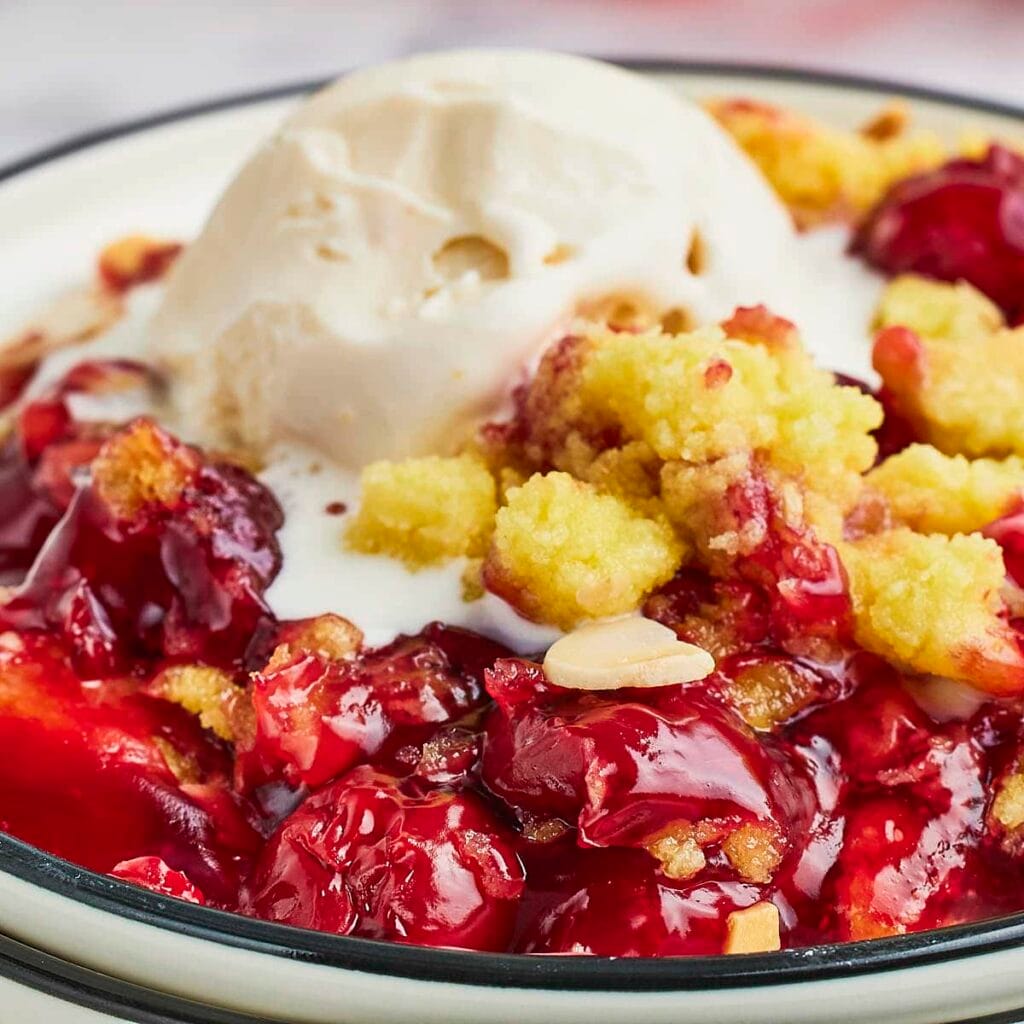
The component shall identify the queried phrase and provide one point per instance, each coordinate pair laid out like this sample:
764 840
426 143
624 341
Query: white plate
161 179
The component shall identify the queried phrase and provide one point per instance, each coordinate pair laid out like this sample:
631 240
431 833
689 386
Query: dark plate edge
783 73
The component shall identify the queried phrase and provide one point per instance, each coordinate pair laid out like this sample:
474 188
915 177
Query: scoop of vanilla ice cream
380 271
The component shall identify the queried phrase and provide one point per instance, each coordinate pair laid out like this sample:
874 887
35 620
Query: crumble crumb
425 510
328 636
142 465
931 604
936 493
201 690
753 930
935 309
562 552
968 404
754 850
823 173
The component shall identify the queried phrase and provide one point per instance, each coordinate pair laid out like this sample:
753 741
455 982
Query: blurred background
68 66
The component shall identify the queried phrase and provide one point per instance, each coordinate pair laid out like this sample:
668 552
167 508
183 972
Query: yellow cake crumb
655 386
937 309
701 396
931 604
141 465
425 510
328 636
1008 806
967 399
754 850
936 493
679 848
824 173
563 552
204 691
768 693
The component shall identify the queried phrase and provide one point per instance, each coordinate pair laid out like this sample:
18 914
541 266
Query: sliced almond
631 651
753 930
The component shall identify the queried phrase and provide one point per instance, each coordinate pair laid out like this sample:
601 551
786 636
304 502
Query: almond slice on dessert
753 930
631 651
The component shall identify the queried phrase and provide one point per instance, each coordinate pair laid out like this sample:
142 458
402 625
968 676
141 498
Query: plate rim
594 974
652 65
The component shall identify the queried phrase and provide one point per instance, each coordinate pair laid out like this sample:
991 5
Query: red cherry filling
97 773
675 776
801 576
616 903
47 450
911 800
159 554
962 221
1008 533
153 874
800 773
370 855
316 717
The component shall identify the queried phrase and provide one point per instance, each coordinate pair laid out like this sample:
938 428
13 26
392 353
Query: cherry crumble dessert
780 701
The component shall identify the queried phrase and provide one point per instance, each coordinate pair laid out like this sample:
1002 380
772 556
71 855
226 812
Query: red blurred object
962 221
135 260
179 576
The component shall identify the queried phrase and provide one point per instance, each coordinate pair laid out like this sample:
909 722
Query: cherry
911 799
962 221
178 572
370 855
315 717
615 903
1008 533
624 771
98 773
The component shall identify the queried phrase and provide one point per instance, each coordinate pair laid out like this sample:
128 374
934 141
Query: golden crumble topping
209 693
141 465
328 636
935 493
974 406
820 172
679 848
562 551
931 604
754 850
769 693
645 429
935 309
698 397
1008 806
425 510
